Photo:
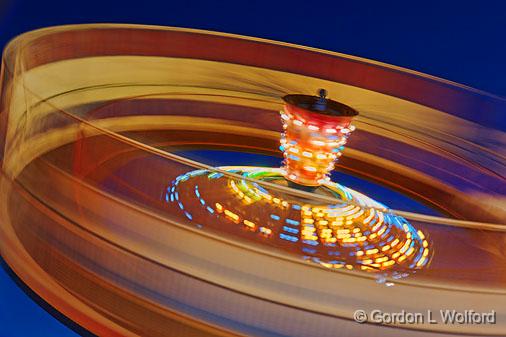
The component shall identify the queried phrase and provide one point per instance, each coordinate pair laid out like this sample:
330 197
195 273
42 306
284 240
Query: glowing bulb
318 142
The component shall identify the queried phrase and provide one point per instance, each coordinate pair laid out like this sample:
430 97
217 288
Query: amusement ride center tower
316 130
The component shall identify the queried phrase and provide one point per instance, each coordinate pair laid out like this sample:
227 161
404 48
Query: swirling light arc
360 233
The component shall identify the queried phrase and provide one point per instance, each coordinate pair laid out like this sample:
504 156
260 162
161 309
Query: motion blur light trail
366 237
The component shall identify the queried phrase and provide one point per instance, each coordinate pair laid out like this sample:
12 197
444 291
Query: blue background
459 41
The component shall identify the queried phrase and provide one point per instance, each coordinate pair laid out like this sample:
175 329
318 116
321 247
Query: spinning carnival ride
149 188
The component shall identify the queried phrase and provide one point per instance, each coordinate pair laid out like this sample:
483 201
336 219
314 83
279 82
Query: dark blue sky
457 40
